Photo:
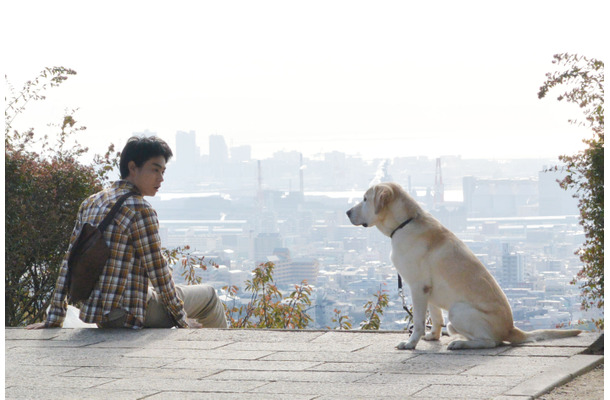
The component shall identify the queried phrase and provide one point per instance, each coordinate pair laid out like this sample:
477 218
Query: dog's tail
517 336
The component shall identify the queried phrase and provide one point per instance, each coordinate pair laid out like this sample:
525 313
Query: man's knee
209 297
203 304
195 292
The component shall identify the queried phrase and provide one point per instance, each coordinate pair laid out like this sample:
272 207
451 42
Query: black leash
402 296
400 291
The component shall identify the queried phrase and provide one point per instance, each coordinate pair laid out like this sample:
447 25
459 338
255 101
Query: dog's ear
383 196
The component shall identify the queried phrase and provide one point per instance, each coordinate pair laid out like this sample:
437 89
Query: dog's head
372 210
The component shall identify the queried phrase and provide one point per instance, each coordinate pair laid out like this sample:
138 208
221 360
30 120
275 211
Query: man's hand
37 325
193 324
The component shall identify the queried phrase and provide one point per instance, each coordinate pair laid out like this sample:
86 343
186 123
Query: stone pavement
270 364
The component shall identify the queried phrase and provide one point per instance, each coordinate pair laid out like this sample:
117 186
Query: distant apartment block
289 271
500 197
513 267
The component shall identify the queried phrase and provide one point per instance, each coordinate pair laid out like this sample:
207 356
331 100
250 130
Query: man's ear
131 166
383 196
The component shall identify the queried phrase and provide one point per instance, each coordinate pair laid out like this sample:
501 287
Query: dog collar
400 227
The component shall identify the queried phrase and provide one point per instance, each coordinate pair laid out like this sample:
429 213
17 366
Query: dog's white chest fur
406 260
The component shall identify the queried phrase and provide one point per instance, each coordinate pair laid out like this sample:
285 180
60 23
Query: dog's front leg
436 315
420 304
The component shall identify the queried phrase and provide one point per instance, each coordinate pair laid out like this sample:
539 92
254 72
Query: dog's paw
457 345
406 346
432 336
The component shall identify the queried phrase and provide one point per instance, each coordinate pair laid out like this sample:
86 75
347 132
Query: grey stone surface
562 372
261 364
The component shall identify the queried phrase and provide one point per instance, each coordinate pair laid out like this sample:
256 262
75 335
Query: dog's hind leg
436 315
472 344
470 323
451 330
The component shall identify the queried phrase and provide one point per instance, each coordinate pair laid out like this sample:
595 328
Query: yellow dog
442 274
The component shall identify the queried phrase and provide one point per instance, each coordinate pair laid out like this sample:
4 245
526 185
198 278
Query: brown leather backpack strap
115 208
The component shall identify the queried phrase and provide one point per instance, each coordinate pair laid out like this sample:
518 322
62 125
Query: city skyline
521 225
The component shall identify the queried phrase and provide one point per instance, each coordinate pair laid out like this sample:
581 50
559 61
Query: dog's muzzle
349 215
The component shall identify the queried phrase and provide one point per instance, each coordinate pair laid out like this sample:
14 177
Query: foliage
343 321
42 197
107 163
43 192
267 307
294 312
584 79
32 91
233 312
190 263
373 309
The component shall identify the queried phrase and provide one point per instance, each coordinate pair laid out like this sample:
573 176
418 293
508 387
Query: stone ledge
267 364
561 373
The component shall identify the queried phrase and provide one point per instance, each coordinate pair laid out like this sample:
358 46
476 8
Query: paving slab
241 364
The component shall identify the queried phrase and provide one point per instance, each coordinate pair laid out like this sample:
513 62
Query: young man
122 296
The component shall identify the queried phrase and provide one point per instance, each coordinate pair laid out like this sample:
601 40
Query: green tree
343 321
583 82
373 310
295 307
267 307
43 191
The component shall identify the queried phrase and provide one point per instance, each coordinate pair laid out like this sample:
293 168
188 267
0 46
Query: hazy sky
382 78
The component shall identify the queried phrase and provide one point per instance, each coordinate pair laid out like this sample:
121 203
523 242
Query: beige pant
200 303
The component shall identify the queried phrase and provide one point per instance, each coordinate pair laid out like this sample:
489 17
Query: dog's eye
365 199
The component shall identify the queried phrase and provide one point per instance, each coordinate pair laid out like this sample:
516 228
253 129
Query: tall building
289 271
295 271
219 152
187 151
513 267
439 187
185 171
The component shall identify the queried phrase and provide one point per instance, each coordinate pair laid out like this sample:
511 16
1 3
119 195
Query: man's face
147 178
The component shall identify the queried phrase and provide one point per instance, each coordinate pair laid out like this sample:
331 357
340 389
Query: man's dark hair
140 149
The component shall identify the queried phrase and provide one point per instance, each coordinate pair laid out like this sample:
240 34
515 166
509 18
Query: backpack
89 254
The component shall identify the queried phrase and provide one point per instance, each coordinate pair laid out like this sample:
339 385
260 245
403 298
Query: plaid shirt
135 258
